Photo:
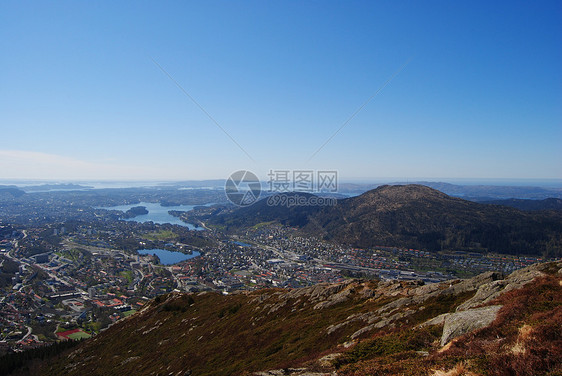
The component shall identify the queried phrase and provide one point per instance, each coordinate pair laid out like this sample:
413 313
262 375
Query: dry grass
524 335
458 370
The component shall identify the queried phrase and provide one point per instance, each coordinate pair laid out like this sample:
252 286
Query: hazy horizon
101 183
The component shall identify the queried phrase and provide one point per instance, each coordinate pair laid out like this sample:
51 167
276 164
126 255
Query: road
26 334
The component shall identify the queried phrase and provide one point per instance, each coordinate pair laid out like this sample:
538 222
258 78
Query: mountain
490 324
417 216
413 216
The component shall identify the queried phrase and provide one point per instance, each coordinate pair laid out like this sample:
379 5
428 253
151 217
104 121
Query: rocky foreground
487 325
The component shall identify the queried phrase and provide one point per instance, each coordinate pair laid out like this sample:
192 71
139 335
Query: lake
156 213
242 244
168 257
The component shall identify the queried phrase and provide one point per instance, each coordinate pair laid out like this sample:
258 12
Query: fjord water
168 257
156 213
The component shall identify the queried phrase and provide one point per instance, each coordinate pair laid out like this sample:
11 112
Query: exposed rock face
319 292
485 293
292 372
340 297
438 320
411 294
321 296
491 290
459 323
467 317
475 282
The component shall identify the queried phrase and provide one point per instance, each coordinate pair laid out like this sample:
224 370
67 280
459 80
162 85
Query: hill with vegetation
413 216
487 325
10 192
274 208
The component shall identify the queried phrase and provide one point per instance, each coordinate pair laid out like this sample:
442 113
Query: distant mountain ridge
55 187
415 216
473 192
490 192
522 204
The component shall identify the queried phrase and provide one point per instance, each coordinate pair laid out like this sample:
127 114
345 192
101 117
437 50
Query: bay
168 257
157 213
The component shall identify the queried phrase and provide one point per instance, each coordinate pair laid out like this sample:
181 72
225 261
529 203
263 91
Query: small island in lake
135 211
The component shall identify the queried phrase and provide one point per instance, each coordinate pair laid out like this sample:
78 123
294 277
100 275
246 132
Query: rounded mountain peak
404 192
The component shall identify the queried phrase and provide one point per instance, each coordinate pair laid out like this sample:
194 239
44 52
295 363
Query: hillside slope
489 324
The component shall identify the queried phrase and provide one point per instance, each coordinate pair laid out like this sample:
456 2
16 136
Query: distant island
135 211
55 187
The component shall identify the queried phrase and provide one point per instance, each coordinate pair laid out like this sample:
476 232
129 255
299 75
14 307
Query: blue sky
480 96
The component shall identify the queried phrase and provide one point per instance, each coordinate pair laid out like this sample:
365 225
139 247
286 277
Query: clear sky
81 96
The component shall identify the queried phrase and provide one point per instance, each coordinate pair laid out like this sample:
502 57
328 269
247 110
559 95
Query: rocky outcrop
486 293
319 292
437 320
467 317
292 372
491 290
340 297
459 323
